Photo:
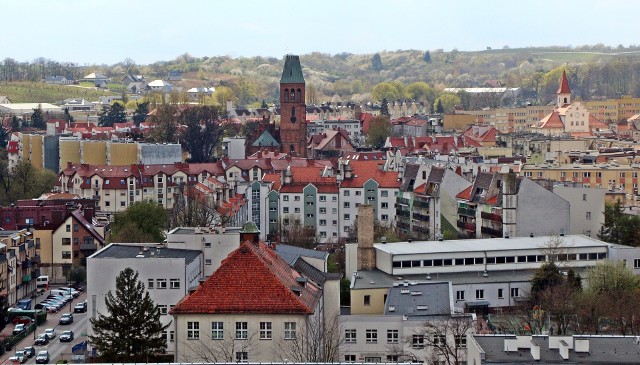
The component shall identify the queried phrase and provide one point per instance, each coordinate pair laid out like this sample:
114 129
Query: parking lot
57 350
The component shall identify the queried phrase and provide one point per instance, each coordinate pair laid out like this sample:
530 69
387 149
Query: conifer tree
131 331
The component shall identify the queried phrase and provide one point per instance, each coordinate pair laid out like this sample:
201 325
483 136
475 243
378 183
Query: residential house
353 127
255 307
58 80
174 76
4 100
330 143
167 273
19 265
587 208
77 105
160 86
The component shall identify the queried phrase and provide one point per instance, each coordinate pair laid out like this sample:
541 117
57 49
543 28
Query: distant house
4 100
174 76
98 80
137 87
330 143
58 80
196 92
132 78
77 104
160 86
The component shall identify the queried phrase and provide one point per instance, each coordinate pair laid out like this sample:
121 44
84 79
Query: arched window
286 95
292 148
293 95
299 96
565 100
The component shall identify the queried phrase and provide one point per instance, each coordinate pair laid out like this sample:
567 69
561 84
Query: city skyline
92 32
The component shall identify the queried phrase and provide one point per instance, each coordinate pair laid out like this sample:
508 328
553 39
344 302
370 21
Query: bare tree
295 233
193 208
210 350
318 340
446 338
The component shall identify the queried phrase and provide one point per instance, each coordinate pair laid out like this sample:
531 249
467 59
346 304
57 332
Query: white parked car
50 332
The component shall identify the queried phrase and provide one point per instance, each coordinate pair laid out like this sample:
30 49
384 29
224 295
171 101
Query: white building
167 274
352 126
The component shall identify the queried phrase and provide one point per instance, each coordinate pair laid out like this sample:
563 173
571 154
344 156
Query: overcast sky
108 31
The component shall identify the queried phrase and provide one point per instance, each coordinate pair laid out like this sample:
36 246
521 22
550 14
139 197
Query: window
150 284
323 234
350 335
68 227
584 197
217 330
479 294
347 217
174 283
285 210
392 358
384 205
285 198
346 193
172 336
66 241
163 309
207 261
323 222
323 198
242 356
75 227
334 222
384 217
296 198
347 205
358 193
296 210
417 341
161 283
588 216
289 330
636 263
265 330
66 254
323 210
349 358
500 293
334 199
460 295
392 336
193 330
384 193
515 292
439 340
461 341
367 300
242 330
371 336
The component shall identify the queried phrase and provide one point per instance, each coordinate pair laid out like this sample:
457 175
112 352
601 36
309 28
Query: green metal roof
249 227
265 140
292 72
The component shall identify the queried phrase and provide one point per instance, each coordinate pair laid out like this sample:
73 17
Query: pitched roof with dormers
363 171
252 280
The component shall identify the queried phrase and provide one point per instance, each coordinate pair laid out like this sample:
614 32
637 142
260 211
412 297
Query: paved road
57 350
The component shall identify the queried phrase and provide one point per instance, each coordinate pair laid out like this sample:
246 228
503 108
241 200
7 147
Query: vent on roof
392 308
396 284
422 307
405 291
415 293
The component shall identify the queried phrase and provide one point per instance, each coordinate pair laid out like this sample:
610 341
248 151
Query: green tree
447 102
384 108
427 57
37 118
67 116
140 114
77 275
111 115
620 228
203 132
548 275
15 123
131 331
386 90
439 108
141 222
420 91
166 120
224 94
379 130
376 62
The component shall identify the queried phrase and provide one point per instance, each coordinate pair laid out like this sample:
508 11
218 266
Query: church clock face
293 119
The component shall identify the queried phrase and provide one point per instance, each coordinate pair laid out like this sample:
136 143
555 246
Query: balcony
421 217
497 233
26 263
419 229
35 259
420 204
469 226
467 212
35 273
491 216
402 225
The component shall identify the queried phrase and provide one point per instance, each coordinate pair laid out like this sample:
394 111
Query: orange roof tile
253 279
362 171
564 84
551 121
465 194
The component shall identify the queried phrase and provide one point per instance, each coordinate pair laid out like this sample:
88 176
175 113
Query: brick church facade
293 110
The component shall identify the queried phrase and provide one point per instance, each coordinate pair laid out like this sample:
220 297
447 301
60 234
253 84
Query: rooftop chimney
366 252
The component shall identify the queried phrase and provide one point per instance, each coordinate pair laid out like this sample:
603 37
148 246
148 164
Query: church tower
293 110
564 93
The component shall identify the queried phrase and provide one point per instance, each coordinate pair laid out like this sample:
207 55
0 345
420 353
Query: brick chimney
366 252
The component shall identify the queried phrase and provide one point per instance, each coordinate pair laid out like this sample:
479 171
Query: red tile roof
552 121
465 194
564 85
362 171
253 279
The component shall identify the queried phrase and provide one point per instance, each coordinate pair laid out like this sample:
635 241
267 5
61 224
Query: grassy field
37 92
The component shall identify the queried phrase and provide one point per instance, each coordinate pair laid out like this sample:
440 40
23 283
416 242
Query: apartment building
612 111
353 128
167 273
18 265
508 120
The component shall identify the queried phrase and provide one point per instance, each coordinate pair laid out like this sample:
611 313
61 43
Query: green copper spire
292 72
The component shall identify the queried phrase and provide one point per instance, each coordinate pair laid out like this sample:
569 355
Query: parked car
66 318
80 307
22 319
43 357
13 360
42 340
78 287
18 328
46 307
71 291
50 332
30 351
22 357
66 336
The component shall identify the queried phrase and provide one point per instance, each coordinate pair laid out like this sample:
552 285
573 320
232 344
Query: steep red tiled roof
551 121
465 194
564 85
251 280
596 123
362 171
365 119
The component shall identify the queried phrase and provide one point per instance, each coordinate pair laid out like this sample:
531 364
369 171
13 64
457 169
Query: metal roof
126 251
292 71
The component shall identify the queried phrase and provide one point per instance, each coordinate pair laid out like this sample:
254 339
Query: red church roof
564 85
253 279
